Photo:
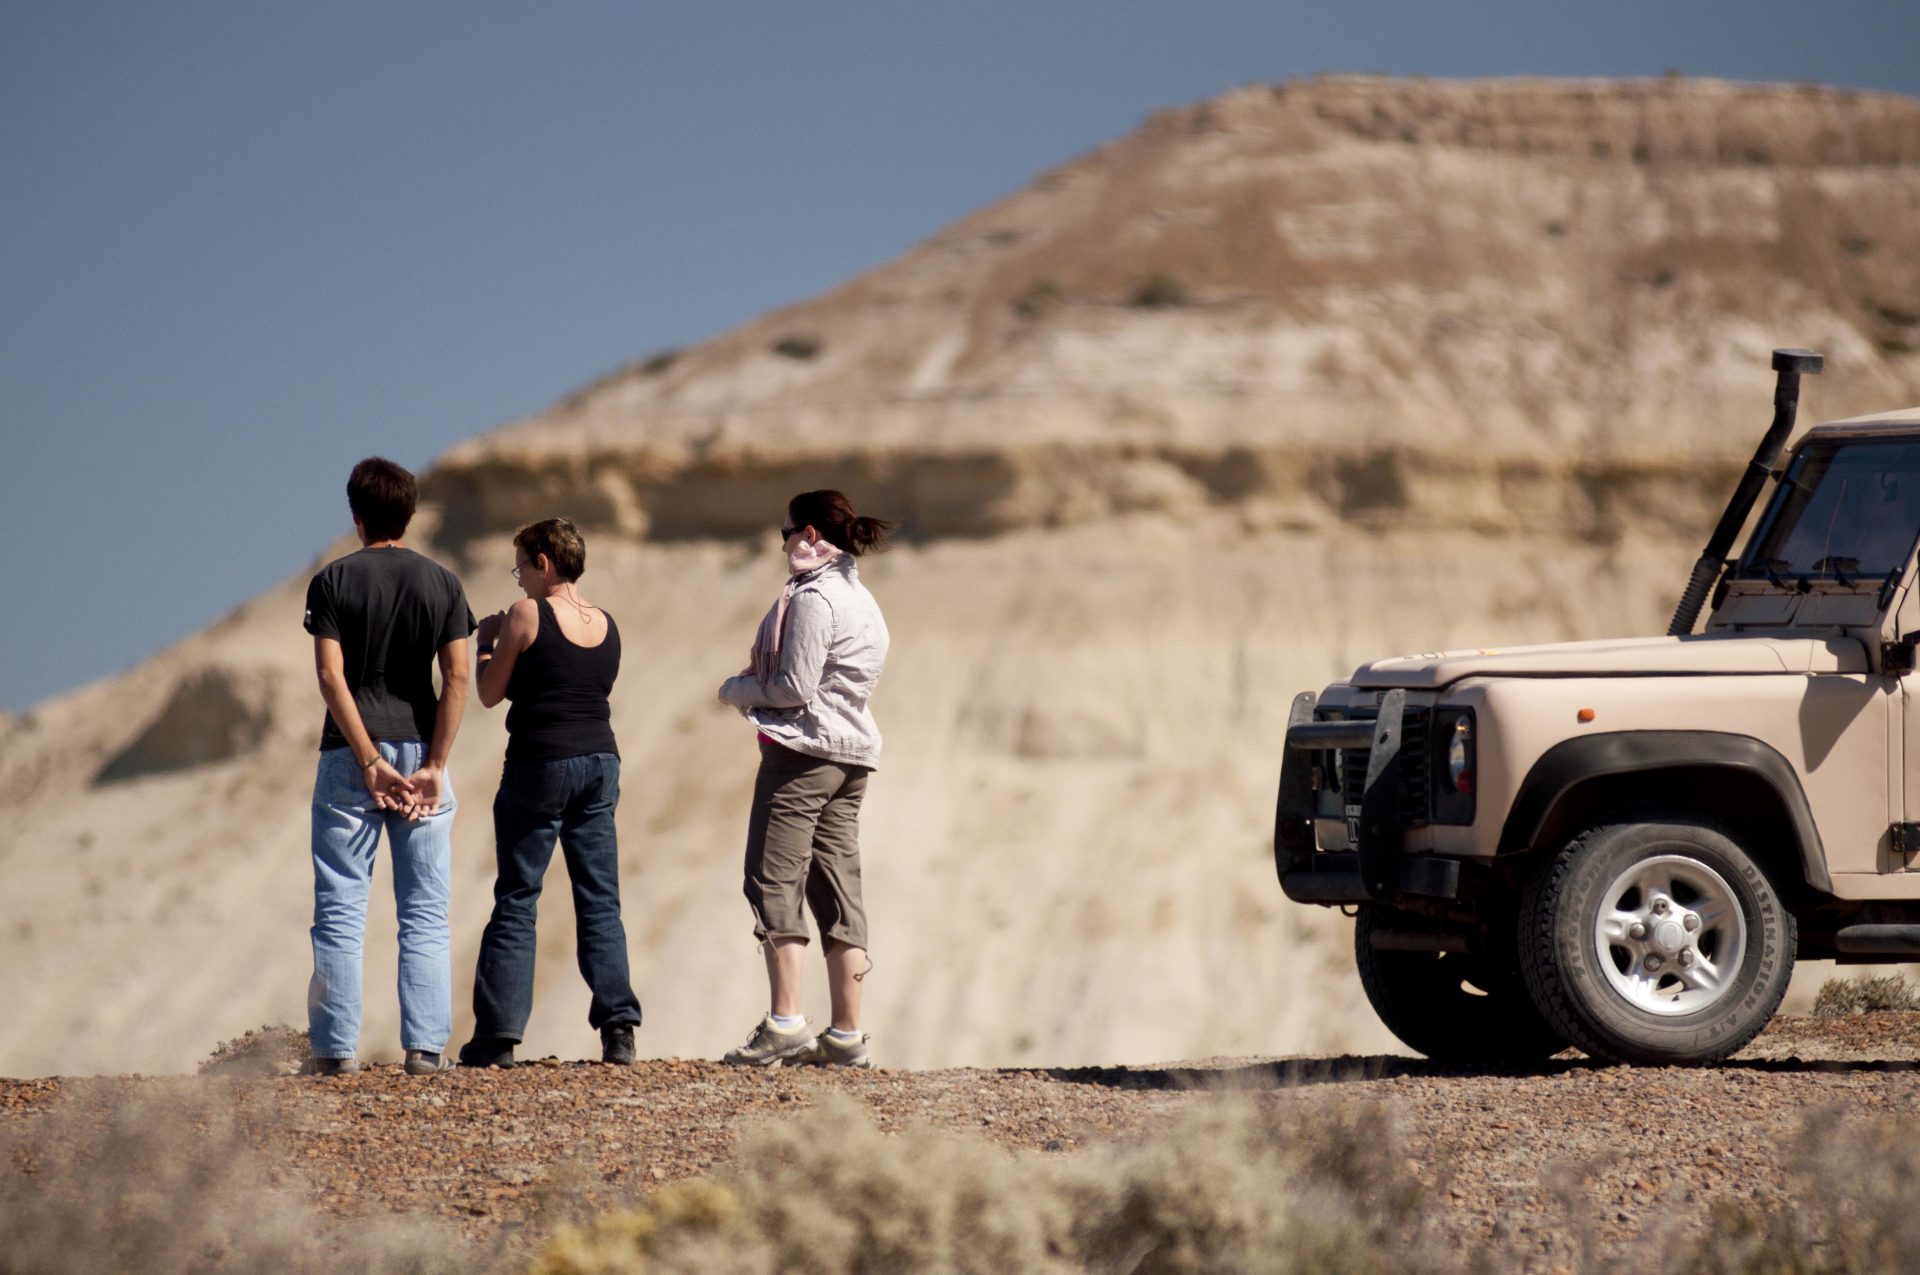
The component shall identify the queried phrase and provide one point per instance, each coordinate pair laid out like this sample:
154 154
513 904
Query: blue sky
242 245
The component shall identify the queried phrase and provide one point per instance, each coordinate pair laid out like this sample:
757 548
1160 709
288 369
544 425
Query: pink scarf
805 559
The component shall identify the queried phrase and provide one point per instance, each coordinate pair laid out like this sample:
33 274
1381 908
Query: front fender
1569 764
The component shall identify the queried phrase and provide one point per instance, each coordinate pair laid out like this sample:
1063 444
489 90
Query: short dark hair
382 495
560 540
832 515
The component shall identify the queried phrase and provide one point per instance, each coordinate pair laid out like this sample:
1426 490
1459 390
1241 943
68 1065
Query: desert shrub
165 1185
1158 291
1225 1189
1038 298
654 364
796 347
1865 994
272 1049
1850 1213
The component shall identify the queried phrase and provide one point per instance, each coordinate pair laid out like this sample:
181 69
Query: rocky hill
1319 301
1275 384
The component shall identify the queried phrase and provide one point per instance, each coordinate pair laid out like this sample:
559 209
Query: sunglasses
788 533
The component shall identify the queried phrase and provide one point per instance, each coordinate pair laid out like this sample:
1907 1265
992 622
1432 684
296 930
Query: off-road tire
1558 910
1420 997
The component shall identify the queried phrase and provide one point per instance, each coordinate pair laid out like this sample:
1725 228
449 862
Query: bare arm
390 791
517 632
803 658
428 781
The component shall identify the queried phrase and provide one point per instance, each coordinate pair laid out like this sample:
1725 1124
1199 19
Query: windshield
1845 511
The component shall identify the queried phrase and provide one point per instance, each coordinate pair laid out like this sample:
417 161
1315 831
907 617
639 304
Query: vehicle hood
1709 654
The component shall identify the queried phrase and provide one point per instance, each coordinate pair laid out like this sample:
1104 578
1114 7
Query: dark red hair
832 515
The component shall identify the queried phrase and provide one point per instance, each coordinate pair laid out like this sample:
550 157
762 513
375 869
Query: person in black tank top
559 691
561 783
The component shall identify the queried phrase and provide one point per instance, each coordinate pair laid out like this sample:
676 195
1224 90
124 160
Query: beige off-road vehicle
1623 845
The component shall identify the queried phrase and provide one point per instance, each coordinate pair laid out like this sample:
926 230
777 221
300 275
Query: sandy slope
1067 841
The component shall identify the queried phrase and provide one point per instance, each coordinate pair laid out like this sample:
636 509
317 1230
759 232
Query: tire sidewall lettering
1562 914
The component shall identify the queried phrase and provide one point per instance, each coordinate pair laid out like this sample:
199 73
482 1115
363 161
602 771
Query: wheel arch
1741 781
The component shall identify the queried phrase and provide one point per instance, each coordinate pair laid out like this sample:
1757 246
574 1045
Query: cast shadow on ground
1291 1073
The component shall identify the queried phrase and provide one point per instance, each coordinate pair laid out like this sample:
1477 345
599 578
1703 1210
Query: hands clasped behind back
417 796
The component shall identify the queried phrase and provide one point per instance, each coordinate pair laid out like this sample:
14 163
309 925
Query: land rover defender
1624 845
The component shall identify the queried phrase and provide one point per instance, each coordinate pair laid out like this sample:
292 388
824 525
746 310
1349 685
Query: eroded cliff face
1279 384
1406 303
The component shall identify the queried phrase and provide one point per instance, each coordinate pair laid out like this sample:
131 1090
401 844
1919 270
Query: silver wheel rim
1670 935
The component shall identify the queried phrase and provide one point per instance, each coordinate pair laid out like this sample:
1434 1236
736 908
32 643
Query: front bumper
1377 866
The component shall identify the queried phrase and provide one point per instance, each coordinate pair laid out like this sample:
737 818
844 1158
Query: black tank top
559 693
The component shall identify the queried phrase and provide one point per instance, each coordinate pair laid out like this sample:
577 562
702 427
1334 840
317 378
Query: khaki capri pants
803 842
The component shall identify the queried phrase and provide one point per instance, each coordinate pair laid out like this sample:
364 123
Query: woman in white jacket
815 660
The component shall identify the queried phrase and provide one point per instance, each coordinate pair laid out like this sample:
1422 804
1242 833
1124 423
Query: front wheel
1656 942
1453 1007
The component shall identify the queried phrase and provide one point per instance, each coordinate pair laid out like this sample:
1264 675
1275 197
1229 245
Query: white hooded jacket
830 660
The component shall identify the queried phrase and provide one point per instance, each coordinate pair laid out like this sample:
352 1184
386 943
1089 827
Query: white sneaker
769 1046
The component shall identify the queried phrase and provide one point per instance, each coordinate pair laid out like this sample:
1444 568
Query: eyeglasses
514 571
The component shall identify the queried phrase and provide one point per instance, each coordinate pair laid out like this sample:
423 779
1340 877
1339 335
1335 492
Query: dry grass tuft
272 1049
1851 1214
1866 994
1226 1189
1039 298
168 1184
1158 292
796 347
165 1186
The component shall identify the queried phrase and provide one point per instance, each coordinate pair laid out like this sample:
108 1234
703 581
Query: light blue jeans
346 834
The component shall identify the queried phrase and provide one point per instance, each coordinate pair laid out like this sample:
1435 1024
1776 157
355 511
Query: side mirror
1897 658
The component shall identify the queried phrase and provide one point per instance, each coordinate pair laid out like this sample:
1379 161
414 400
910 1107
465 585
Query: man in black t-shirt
381 619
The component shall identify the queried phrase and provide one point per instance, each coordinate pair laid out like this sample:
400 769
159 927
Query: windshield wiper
1839 567
1774 567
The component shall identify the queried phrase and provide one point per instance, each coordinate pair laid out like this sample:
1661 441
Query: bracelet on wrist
370 762
486 650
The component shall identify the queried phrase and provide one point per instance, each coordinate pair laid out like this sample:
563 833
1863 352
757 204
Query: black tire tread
1539 901
1529 1038
1544 984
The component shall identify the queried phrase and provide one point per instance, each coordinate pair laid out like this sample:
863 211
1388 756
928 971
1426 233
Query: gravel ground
1525 1159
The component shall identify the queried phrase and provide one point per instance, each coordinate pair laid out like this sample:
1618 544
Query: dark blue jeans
570 800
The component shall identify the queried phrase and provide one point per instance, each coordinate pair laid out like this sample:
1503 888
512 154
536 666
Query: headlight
1455 757
1460 755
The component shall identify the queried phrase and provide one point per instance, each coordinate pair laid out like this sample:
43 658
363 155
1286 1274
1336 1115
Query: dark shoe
487 1051
422 1063
331 1067
616 1044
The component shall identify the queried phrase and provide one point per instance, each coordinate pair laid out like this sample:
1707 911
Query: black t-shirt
391 610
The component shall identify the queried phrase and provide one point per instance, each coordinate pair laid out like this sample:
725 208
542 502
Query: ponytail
831 514
866 533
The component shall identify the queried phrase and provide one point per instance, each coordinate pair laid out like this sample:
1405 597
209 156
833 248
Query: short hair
560 540
382 496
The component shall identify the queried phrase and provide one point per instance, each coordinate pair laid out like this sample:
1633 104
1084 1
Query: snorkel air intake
1791 365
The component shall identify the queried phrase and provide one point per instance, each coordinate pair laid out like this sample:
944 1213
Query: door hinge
1906 839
